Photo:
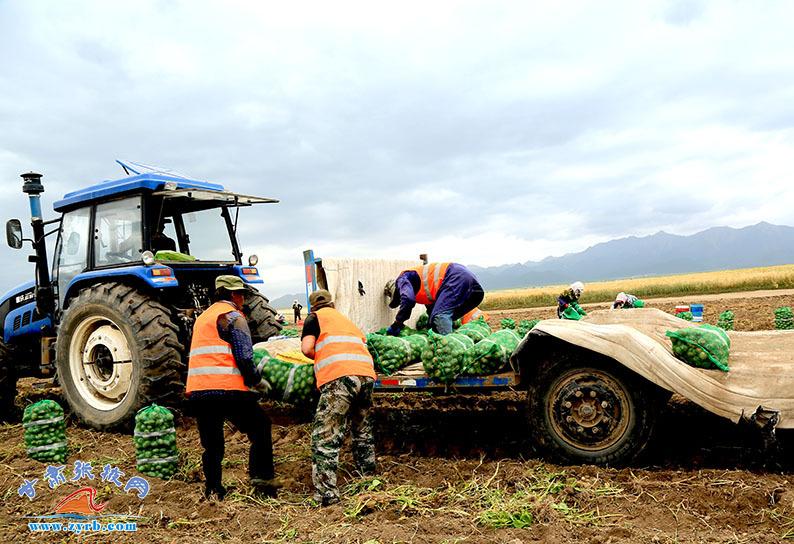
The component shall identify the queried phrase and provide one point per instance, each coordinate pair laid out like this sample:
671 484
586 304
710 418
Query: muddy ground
453 469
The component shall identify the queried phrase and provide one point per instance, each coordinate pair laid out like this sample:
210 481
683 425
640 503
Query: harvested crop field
754 310
452 469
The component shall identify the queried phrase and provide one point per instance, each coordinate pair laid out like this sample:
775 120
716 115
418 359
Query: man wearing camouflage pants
345 377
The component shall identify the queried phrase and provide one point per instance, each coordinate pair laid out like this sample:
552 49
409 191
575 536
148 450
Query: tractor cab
112 316
172 231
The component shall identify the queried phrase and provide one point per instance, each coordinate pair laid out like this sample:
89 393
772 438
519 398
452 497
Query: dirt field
453 469
754 310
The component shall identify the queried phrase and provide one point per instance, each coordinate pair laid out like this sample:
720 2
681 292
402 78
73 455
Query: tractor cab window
207 235
118 235
71 254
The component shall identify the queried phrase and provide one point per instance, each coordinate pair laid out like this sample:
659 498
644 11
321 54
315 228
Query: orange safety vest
341 349
476 313
211 364
430 278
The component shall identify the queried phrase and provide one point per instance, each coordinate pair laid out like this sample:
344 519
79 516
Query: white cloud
478 132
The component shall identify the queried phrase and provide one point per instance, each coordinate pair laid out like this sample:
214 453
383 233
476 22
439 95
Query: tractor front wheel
117 351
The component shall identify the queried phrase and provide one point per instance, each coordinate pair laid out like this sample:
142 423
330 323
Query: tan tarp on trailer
369 311
761 363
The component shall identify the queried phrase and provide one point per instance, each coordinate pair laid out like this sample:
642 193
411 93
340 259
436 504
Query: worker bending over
345 376
568 302
625 301
449 290
220 371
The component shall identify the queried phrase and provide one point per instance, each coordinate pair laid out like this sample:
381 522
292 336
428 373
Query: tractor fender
140 276
636 340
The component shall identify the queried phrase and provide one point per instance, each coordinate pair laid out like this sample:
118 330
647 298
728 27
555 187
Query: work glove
394 329
263 387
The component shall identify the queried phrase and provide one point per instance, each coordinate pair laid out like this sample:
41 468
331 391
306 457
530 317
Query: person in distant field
473 315
220 372
625 301
449 290
568 302
296 309
345 377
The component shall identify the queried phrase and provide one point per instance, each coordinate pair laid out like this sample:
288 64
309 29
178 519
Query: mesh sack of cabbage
423 323
289 382
45 431
704 347
686 316
725 320
418 343
155 442
784 318
507 323
389 353
526 325
476 330
490 355
447 356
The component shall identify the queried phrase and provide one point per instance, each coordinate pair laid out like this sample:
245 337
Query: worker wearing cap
220 372
625 301
345 376
568 302
449 290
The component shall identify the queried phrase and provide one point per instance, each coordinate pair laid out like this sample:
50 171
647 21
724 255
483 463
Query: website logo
80 511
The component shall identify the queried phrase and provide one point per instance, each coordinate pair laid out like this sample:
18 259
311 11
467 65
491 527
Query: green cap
231 283
319 299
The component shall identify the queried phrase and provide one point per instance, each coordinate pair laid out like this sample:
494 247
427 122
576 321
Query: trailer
595 387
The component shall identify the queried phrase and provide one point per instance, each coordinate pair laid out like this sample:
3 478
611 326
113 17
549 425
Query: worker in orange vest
473 315
345 376
449 290
220 372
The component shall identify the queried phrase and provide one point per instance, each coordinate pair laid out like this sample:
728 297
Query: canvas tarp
761 363
370 310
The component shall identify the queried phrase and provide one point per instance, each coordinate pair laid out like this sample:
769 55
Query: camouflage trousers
346 401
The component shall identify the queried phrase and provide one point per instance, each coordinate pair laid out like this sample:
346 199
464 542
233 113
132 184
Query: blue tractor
111 319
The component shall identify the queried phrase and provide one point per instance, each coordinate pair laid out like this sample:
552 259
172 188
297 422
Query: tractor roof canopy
164 185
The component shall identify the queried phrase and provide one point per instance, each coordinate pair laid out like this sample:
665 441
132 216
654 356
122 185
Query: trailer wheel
596 413
261 317
8 384
117 351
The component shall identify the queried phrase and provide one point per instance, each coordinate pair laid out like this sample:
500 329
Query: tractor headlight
253 260
148 258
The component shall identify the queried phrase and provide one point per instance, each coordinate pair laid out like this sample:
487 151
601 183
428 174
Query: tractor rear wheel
261 317
117 351
8 384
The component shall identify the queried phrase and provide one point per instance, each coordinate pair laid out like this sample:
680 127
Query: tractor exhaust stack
45 299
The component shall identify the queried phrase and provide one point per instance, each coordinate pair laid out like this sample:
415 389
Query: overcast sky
483 133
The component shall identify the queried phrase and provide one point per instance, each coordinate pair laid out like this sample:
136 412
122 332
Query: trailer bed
421 382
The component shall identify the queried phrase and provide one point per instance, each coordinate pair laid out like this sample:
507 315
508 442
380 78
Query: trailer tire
114 322
8 384
261 317
590 411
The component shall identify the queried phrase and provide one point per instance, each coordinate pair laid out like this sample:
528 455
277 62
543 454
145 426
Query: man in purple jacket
449 290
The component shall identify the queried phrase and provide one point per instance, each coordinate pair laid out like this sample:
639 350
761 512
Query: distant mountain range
717 248
285 301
